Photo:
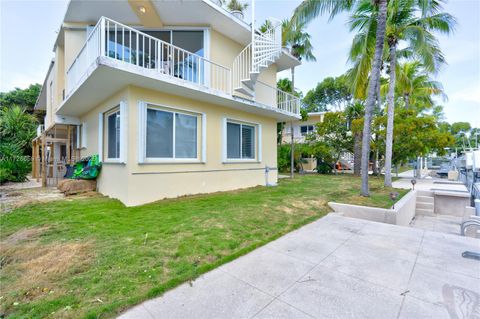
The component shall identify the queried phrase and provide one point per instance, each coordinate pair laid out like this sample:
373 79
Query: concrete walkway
336 267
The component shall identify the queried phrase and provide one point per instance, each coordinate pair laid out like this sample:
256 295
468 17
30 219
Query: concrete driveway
336 267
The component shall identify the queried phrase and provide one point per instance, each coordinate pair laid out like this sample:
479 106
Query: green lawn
94 257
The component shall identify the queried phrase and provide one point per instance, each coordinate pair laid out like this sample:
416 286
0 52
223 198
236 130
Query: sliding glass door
182 60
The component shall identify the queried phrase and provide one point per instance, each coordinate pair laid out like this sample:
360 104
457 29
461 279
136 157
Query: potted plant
219 3
236 8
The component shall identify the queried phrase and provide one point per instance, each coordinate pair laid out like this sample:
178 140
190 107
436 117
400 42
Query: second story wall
74 41
223 50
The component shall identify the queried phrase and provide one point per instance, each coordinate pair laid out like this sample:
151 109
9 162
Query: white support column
102 36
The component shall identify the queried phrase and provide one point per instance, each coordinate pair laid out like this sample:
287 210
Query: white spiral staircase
263 51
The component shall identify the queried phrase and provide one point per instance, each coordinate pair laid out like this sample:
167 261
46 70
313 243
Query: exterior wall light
142 9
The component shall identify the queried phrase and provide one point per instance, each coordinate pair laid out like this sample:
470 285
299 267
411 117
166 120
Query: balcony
139 54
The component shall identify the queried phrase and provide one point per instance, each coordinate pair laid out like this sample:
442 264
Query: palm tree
410 21
414 86
310 9
404 24
298 42
354 112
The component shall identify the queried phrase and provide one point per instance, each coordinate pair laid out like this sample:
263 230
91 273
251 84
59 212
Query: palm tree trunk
407 101
357 153
375 76
390 116
292 147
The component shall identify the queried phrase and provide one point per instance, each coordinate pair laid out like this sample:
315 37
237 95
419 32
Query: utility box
453 175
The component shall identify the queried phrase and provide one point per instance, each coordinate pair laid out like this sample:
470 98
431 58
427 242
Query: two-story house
301 129
176 97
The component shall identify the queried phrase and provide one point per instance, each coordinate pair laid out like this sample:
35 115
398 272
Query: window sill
170 161
239 161
112 161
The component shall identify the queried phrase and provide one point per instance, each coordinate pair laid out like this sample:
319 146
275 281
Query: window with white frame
306 129
240 140
112 131
170 134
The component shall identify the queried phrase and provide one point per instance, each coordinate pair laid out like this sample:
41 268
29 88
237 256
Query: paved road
336 267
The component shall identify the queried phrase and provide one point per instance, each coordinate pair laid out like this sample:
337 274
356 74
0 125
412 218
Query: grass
94 257
402 169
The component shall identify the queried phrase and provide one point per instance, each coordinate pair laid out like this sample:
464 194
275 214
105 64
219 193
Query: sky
28 30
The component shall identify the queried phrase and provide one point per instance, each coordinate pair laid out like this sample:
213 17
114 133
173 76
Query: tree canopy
22 97
332 94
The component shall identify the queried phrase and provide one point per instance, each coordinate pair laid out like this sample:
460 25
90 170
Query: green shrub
14 166
283 158
323 167
17 127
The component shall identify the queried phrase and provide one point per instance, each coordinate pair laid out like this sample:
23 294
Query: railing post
137 55
102 36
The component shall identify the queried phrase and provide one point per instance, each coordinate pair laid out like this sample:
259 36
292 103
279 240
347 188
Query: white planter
218 2
237 14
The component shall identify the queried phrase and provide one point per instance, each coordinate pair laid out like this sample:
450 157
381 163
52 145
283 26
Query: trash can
477 207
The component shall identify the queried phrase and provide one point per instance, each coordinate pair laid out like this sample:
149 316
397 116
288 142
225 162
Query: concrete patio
336 267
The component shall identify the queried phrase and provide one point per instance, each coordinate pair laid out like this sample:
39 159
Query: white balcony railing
269 95
119 42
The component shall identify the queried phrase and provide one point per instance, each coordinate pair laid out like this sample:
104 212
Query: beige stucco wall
265 92
135 183
223 50
74 41
59 75
50 103
113 180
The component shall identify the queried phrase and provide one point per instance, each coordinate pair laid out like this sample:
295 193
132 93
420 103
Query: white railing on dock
120 42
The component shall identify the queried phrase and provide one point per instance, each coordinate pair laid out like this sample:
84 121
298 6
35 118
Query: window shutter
100 136
248 141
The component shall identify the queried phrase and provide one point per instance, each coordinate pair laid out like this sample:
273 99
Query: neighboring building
301 129
174 96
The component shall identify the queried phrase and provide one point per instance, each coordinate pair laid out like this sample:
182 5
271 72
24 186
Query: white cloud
470 94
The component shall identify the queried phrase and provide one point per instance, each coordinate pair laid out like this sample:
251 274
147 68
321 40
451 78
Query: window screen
171 135
240 141
113 131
